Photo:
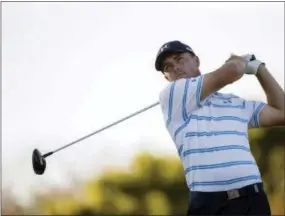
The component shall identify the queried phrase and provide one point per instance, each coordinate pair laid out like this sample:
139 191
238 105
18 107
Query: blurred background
71 68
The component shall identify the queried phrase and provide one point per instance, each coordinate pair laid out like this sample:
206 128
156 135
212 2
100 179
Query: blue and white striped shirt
211 135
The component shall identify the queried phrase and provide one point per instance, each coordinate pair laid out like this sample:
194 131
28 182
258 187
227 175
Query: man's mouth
180 76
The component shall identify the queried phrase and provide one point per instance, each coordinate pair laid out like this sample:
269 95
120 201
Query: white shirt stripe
211 136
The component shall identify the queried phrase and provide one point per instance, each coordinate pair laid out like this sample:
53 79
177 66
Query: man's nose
176 68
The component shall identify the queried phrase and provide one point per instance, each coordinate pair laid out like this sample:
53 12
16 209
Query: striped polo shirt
211 136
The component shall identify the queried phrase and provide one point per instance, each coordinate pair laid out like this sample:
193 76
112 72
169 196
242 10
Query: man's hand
244 58
240 61
248 57
252 64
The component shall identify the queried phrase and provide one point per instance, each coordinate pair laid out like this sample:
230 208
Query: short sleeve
180 98
254 108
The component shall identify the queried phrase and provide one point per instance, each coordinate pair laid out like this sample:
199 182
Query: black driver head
39 162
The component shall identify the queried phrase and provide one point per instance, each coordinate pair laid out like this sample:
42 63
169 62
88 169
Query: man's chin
183 76
186 76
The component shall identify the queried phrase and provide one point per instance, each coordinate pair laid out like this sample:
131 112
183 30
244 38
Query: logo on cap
189 49
164 47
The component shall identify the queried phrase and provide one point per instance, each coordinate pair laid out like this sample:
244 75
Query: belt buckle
233 194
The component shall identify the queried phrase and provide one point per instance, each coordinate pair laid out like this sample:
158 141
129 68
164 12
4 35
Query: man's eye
179 58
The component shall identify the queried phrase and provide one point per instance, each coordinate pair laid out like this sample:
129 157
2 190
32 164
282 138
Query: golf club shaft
104 128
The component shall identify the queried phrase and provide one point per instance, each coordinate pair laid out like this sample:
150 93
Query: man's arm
228 73
183 96
273 113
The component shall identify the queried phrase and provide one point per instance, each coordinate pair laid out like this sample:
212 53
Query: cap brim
160 58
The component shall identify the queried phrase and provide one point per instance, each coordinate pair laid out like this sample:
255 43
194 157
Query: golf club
39 162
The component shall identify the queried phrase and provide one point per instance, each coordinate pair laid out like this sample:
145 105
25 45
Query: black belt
231 194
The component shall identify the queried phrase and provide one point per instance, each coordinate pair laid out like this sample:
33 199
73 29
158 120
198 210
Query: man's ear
197 61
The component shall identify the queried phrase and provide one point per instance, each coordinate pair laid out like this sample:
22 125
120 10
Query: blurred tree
157 203
57 201
268 149
156 184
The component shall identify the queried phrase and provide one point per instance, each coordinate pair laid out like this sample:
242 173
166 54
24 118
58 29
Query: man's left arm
273 113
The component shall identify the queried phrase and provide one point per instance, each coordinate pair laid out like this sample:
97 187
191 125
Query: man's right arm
228 73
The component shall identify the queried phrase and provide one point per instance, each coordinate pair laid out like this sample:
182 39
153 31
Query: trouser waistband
230 194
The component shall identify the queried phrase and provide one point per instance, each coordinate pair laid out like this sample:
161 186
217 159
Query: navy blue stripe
215 133
256 119
198 92
219 165
213 149
225 182
220 118
170 104
224 98
254 109
184 112
182 127
187 121
180 150
226 106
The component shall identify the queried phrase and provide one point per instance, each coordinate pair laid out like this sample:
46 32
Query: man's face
180 65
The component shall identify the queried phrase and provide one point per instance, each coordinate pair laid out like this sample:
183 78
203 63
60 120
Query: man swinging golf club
210 129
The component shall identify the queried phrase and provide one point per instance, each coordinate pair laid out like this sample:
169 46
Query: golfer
210 129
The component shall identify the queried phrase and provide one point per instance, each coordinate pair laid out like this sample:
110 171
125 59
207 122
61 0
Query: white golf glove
252 65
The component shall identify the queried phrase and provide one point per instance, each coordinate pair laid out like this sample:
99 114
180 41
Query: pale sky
71 68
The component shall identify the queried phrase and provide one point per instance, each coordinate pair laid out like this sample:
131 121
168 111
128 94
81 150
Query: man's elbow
280 120
280 117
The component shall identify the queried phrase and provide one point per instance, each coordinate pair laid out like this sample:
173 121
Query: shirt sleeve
180 98
254 108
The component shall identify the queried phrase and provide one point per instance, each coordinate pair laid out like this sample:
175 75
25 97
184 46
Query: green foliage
156 185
